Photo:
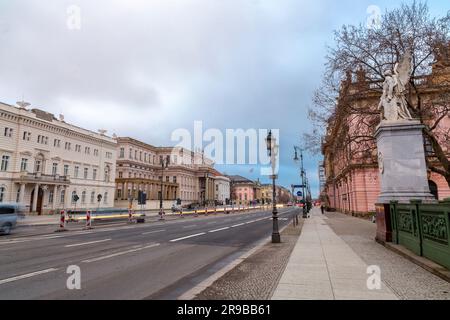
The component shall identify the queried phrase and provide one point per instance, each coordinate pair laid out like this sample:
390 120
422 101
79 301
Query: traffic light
75 198
99 197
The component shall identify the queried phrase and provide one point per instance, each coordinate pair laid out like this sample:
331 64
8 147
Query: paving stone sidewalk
257 276
330 261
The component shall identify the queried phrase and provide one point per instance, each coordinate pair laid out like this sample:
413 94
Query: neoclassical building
222 189
46 161
189 176
244 191
351 183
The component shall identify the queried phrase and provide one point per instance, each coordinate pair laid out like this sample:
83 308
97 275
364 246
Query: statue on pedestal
393 103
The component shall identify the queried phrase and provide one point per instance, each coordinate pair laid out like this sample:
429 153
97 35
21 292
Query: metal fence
423 228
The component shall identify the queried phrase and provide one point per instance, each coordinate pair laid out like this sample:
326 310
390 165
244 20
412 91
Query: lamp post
164 165
272 150
302 175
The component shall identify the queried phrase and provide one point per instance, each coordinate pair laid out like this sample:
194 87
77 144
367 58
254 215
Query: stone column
55 196
22 193
35 197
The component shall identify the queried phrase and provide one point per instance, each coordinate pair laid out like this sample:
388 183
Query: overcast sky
144 68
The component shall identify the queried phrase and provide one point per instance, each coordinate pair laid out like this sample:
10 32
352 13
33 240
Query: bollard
161 214
88 220
130 216
196 213
62 222
206 211
215 210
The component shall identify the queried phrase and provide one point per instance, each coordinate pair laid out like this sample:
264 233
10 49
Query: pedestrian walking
322 208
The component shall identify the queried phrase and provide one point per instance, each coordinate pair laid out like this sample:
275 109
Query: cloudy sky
144 68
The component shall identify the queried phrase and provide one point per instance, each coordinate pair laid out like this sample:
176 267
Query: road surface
156 260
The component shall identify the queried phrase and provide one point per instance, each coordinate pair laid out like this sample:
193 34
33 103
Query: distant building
322 177
282 195
189 176
45 162
222 189
244 191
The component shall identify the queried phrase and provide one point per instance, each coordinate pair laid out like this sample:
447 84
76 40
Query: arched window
105 198
93 197
63 196
83 197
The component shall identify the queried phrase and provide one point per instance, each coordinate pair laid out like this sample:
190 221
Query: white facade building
46 161
222 189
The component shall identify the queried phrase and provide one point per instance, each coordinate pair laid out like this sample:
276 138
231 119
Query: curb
423 262
192 293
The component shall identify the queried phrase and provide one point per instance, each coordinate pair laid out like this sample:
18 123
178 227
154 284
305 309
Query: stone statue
393 103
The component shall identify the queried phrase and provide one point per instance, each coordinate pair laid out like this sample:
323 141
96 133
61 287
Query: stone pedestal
403 173
401 160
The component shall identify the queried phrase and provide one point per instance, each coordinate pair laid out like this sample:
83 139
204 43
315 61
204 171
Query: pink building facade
351 165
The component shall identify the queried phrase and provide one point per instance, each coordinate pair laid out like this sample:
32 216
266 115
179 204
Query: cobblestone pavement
406 279
257 276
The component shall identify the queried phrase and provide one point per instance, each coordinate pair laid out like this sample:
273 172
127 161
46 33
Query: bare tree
355 72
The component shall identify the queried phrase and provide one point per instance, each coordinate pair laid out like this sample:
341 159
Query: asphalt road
156 260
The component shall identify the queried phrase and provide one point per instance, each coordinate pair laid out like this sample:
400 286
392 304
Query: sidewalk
323 266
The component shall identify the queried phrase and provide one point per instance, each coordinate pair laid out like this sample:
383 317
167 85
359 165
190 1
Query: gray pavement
142 261
331 261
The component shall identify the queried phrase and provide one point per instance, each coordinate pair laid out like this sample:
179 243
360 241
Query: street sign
299 193
297 186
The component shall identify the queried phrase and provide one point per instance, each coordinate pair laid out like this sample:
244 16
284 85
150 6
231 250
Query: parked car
9 213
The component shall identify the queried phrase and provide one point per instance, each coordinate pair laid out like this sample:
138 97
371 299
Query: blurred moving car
9 214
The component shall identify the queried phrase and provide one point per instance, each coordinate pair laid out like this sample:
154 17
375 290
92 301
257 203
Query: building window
5 161
96 152
83 197
119 194
108 155
93 197
174 179
78 148
120 174
122 153
56 143
66 170
76 171
37 166
8 132
23 164
67 146
105 198
50 197
26 136
62 197
86 171
107 170
94 174
167 178
131 153
87 150
54 169
2 193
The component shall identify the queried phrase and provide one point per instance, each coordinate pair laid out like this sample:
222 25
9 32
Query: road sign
297 186
299 193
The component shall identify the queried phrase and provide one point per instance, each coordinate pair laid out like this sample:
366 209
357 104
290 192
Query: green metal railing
423 228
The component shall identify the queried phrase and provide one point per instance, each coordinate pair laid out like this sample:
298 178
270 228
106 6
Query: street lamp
272 150
164 165
302 175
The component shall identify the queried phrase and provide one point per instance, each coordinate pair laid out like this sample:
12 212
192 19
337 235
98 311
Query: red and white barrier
130 216
161 214
62 221
88 220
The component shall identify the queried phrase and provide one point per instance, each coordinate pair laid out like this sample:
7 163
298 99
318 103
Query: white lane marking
120 253
238 225
85 243
212 222
156 231
187 237
13 241
28 275
217 230
191 226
